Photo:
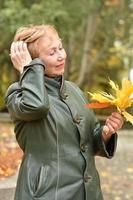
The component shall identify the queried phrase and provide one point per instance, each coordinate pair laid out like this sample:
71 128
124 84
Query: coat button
83 147
64 96
77 120
87 179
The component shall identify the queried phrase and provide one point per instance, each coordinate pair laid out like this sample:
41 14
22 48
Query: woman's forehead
49 41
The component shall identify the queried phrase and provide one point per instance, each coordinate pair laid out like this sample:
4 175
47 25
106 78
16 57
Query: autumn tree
89 30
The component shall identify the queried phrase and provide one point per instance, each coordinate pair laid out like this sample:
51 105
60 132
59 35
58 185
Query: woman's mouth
60 65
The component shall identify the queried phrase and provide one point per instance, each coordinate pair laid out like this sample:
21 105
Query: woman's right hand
20 55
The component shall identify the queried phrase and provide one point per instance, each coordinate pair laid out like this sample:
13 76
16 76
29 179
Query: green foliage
111 22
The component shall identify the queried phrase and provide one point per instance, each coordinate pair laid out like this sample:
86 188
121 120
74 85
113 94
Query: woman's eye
52 53
56 50
61 47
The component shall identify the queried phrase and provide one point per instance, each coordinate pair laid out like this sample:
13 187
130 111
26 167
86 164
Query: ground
10 153
116 174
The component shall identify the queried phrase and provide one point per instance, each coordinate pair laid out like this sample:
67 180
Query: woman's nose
61 55
60 58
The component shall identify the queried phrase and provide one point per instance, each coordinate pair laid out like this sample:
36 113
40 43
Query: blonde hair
30 34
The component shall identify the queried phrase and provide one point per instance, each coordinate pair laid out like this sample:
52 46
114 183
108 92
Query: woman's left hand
113 123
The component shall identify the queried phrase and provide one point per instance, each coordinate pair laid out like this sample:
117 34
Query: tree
89 30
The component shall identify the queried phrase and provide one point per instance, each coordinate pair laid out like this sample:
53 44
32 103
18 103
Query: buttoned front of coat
59 138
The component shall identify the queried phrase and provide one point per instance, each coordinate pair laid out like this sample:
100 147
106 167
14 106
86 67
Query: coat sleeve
28 100
99 146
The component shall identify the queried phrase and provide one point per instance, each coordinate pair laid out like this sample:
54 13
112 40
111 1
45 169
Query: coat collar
55 86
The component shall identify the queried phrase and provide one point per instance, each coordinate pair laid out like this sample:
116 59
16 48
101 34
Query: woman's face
52 53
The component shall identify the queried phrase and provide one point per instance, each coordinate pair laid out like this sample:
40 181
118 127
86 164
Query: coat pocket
41 181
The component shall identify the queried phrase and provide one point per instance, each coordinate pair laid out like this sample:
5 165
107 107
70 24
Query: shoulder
75 89
72 85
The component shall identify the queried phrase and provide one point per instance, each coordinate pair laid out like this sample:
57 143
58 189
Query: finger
118 119
25 46
15 54
20 45
106 129
116 125
115 122
111 128
117 116
12 49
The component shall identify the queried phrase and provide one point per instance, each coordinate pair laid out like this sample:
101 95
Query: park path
117 173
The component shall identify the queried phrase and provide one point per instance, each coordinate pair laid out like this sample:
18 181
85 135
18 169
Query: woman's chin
60 73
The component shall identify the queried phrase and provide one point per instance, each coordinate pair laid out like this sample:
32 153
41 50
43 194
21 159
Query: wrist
21 71
106 135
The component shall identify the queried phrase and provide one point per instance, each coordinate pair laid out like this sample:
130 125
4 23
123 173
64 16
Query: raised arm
28 100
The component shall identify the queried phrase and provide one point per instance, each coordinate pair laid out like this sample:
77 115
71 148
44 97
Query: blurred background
97 35
98 38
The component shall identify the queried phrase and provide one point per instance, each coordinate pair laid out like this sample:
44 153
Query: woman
58 135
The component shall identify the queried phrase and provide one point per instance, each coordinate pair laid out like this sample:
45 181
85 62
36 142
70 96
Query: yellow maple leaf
121 99
128 116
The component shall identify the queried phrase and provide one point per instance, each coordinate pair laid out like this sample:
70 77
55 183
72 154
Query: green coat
59 138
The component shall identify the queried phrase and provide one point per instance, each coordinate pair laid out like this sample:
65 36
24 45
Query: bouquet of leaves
121 99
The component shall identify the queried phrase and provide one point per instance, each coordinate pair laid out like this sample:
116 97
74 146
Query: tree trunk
91 28
69 49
